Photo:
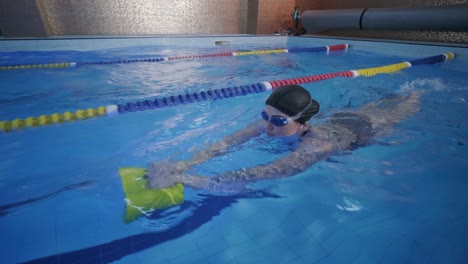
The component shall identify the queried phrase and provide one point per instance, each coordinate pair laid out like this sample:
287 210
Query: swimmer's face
290 128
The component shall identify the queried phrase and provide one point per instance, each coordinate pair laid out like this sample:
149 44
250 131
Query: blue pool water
401 200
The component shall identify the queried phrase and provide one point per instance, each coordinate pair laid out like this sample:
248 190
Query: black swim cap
292 99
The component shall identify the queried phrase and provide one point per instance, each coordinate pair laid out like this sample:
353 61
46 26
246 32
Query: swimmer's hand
165 173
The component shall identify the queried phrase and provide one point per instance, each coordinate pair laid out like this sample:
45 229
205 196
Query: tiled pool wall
94 43
411 50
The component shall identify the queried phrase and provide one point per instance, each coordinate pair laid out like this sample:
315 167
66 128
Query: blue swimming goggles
280 121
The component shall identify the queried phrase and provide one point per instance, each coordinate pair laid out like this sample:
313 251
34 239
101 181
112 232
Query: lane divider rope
161 59
214 94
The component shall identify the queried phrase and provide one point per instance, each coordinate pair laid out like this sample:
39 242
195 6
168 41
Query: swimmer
286 113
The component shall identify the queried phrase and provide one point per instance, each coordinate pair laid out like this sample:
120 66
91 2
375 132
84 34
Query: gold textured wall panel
140 17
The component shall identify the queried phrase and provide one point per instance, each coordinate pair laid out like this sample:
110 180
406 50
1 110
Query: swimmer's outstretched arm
224 145
160 175
292 164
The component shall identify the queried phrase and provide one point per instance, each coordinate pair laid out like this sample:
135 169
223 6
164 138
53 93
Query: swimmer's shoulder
314 132
312 144
325 137
314 135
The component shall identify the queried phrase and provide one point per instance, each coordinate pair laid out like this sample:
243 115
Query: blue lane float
191 98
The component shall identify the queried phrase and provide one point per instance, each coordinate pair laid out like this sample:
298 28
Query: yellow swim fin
141 200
